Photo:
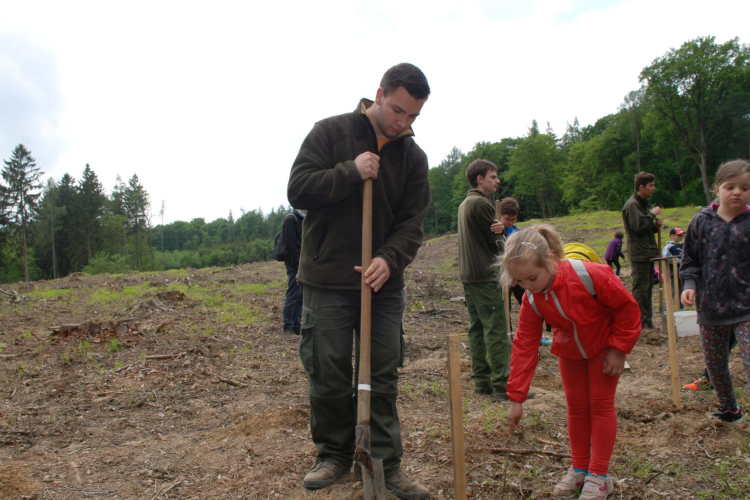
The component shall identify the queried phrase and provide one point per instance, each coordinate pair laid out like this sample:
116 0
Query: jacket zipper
575 327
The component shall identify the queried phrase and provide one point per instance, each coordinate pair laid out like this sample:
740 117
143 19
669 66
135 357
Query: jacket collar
476 192
640 199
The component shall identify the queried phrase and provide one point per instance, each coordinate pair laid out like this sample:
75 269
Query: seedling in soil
114 345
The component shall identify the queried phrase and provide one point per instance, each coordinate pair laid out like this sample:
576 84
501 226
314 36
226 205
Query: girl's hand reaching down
514 415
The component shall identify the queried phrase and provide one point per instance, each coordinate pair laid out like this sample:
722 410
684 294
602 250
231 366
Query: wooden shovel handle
363 389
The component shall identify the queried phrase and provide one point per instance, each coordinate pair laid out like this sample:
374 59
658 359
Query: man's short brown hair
509 206
408 76
477 168
643 179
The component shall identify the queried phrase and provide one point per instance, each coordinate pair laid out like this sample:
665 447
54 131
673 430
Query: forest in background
691 113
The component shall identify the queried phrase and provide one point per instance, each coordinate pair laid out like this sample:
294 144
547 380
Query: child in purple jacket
614 252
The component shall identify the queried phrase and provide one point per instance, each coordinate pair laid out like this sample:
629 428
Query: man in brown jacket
339 154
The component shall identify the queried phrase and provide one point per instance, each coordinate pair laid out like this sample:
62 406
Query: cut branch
12 293
529 452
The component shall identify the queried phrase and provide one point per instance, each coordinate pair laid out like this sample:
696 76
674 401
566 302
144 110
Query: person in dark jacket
641 225
715 271
614 252
338 155
292 312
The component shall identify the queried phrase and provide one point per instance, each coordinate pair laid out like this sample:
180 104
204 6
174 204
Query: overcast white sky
208 102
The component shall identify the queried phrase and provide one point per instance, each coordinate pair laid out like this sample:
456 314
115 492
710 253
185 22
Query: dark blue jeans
292 313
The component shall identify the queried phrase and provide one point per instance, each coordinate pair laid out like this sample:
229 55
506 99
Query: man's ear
379 96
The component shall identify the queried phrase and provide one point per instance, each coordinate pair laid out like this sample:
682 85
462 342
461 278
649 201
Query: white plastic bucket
686 323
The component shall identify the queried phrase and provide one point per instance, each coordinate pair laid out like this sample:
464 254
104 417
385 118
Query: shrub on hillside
105 263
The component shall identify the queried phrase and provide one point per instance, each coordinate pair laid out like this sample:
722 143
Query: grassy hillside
596 229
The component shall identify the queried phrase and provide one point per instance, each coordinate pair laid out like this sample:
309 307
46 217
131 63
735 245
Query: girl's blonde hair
533 244
730 169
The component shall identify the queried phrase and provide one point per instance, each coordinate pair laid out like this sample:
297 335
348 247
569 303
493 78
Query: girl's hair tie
527 244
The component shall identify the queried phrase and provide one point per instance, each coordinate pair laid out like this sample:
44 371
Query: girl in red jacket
596 322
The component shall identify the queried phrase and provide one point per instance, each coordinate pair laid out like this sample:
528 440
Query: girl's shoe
728 416
597 488
570 484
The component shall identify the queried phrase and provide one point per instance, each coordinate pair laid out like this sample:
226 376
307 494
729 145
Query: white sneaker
570 484
597 488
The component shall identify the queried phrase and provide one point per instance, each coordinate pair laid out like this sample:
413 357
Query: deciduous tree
698 88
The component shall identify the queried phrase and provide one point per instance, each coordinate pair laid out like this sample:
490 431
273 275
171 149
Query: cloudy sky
208 102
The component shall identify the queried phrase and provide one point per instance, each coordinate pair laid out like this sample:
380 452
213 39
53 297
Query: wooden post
672 336
676 275
457 417
661 285
506 298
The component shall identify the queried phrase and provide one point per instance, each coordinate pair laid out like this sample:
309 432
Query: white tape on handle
363 387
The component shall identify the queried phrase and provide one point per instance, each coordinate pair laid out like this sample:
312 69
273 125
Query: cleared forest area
180 385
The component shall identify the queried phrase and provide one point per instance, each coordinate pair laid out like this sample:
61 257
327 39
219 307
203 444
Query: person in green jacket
640 225
338 155
478 249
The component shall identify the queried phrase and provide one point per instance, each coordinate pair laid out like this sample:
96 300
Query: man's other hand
377 274
497 227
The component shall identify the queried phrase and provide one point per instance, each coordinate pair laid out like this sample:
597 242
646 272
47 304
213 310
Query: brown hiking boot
323 474
405 488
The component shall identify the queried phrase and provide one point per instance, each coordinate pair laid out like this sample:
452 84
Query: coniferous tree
69 251
20 194
136 204
91 203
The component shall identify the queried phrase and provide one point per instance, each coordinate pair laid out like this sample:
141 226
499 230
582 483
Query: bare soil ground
180 385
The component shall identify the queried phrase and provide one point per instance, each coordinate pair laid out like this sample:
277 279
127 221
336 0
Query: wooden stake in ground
457 417
671 334
506 299
676 284
373 480
661 283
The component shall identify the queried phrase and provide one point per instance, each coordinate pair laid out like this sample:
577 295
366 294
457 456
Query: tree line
49 230
691 113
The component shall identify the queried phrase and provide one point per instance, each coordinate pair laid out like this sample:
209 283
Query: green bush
113 264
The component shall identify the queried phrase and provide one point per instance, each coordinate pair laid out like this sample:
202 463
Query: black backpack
280 247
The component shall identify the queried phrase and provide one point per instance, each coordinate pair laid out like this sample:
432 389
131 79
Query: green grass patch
234 313
259 288
49 293
177 272
102 296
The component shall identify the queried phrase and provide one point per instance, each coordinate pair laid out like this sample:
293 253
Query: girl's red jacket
583 324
